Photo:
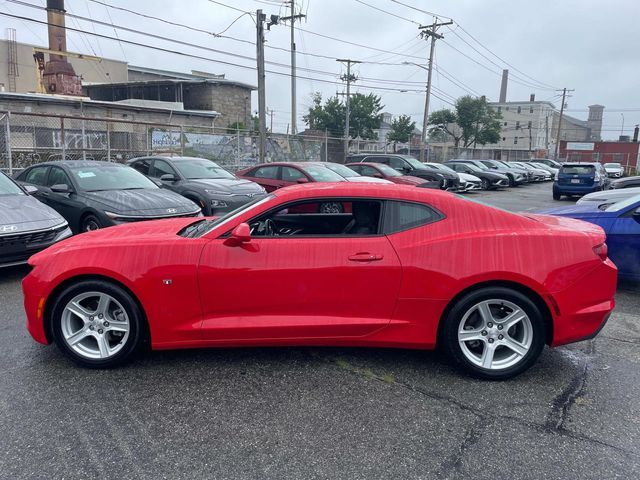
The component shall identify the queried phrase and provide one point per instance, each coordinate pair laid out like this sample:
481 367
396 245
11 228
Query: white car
610 196
544 166
468 182
350 175
614 170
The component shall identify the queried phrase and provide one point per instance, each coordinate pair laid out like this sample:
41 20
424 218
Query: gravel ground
322 413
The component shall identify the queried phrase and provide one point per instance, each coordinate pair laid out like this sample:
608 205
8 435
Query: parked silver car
610 196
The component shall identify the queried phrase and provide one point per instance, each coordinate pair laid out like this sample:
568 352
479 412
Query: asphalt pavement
309 413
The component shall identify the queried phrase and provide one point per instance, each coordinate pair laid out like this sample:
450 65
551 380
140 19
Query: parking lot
322 412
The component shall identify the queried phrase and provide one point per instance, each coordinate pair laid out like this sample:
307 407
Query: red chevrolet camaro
406 267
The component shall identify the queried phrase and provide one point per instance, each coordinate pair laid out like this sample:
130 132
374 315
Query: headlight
64 234
218 203
215 192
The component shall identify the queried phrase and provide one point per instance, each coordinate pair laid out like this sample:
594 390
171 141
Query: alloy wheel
495 334
95 325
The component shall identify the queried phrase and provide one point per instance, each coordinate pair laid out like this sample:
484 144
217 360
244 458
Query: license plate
575 180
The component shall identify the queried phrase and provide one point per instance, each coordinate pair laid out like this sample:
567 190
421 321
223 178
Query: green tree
364 116
401 129
472 122
254 127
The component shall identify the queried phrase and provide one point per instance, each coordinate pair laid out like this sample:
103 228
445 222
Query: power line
388 13
426 12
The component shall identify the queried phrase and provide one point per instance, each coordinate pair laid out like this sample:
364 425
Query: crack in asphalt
554 424
452 466
632 342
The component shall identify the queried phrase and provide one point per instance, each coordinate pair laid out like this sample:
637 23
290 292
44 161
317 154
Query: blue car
579 179
621 223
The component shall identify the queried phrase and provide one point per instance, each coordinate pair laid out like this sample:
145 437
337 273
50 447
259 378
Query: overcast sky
587 45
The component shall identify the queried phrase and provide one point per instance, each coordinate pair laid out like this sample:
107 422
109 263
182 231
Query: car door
296 286
268 176
292 176
161 167
623 240
66 204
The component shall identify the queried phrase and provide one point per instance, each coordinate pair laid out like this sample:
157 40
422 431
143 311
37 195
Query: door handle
365 257
44 194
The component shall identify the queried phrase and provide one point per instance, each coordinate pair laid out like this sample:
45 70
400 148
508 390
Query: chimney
532 97
503 86
594 121
58 75
635 134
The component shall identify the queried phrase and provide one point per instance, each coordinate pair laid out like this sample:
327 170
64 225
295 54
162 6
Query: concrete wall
90 71
231 101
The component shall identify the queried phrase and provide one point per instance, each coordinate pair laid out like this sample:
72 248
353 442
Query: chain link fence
30 138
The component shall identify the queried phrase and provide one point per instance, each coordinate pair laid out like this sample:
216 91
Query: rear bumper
575 189
585 306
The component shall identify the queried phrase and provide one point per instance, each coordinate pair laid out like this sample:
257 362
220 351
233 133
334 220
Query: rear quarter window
400 216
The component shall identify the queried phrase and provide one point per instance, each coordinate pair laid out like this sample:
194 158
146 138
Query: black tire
90 223
137 325
512 181
556 196
486 185
449 332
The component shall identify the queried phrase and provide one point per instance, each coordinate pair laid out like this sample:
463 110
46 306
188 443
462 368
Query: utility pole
347 78
564 95
530 139
260 18
546 133
293 17
426 32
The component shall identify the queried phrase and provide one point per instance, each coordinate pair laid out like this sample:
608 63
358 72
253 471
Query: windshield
577 169
201 168
109 177
322 174
614 165
413 162
474 167
205 226
7 187
341 170
622 204
387 170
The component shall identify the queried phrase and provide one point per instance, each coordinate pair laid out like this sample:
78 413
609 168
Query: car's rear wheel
97 324
90 223
494 333
556 196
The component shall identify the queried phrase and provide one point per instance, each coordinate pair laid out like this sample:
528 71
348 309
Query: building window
529 125
519 109
517 125
505 124
531 109
499 109
507 109
515 140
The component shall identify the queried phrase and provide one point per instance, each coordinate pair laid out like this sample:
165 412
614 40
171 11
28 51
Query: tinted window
401 216
7 187
341 170
37 175
388 171
291 174
368 171
578 169
397 163
377 159
58 177
142 166
160 167
266 172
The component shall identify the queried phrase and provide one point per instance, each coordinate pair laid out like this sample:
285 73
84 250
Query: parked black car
26 225
517 176
626 182
91 195
407 165
490 180
200 180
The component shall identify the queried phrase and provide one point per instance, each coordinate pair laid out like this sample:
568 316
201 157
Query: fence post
146 138
8 141
238 144
62 139
326 145
84 141
108 142
181 140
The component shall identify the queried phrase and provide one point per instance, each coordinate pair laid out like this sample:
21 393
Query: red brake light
601 250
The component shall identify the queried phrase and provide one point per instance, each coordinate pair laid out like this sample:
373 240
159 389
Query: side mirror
168 177
241 234
30 189
303 180
61 188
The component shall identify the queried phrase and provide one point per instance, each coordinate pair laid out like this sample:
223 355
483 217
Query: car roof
580 164
353 189
80 164
371 164
286 164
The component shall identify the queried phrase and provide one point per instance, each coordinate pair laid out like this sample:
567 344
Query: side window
142 166
160 167
37 175
401 216
58 177
368 171
384 160
266 172
397 163
291 174
357 168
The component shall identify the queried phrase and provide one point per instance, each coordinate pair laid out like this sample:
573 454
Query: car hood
24 213
609 196
623 181
364 179
467 177
145 201
227 185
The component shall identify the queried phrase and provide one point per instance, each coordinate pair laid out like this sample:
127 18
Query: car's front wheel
90 223
494 333
485 184
97 324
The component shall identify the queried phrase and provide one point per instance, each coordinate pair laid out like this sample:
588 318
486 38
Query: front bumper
471 186
16 249
614 174
500 183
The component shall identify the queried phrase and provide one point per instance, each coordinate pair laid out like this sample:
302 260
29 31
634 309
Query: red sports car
380 170
407 267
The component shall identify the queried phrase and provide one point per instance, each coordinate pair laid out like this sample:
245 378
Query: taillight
601 251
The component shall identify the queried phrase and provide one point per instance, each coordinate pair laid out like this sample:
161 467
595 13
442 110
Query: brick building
623 152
